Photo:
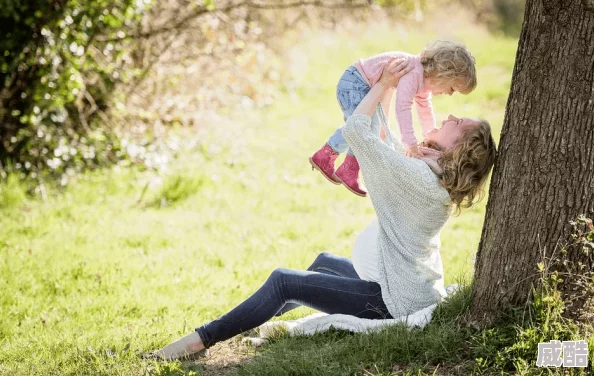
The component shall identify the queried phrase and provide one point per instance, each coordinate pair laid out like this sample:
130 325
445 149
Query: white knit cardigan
412 208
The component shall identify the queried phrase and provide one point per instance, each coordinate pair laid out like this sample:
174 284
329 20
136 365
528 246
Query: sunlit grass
123 262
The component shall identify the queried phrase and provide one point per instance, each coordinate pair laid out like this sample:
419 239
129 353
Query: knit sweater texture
412 208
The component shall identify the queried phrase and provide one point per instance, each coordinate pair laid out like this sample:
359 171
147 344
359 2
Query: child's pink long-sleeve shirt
411 87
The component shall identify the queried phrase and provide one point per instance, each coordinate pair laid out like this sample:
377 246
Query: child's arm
405 93
425 112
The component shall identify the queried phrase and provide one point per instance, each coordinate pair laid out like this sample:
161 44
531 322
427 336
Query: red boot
348 175
323 161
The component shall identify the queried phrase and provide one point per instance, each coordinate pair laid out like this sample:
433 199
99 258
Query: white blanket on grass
321 322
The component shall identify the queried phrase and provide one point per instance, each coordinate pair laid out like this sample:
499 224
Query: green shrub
60 63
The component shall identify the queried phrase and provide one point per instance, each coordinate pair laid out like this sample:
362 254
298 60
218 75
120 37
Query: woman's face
451 131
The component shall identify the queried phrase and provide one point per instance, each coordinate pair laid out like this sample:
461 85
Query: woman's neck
431 156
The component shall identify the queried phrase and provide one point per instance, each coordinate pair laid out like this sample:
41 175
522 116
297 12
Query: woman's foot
190 345
348 175
323 161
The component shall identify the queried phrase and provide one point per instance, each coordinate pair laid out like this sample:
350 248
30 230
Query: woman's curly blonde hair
448 63
467 165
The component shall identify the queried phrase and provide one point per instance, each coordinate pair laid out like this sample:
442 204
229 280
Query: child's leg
348 172
350 91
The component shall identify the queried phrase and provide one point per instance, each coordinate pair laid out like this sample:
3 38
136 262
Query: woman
396 267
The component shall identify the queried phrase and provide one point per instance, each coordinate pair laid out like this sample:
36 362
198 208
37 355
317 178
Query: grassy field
107 269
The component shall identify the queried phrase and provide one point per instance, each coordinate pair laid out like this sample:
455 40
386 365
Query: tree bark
544 175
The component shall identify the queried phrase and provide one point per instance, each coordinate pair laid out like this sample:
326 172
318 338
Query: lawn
124 261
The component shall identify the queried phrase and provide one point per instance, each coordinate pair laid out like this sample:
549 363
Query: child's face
438 88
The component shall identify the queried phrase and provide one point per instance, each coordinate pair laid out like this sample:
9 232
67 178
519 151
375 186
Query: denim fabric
350 91
329 285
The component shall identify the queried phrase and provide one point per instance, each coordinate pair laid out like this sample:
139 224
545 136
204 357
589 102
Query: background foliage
88 83
59 77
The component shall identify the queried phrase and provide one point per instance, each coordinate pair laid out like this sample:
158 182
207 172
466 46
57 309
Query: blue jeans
350 91
330 285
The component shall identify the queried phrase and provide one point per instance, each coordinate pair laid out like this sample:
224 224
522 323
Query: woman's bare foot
183 347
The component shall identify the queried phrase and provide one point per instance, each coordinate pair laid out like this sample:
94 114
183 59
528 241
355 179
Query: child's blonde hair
447 63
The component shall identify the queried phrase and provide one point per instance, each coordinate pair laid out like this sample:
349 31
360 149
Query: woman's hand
393 71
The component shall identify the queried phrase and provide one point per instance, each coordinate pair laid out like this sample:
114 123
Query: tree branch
254 5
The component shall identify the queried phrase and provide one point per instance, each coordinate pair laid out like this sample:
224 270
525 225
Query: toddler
441 68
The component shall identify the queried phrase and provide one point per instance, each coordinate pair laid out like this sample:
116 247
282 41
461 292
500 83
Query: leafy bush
75 93
61 61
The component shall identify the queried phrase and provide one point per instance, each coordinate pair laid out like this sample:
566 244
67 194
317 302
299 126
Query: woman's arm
369 103
386 100
384 169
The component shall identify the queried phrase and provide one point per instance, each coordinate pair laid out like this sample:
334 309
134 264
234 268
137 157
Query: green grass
446 346
123 261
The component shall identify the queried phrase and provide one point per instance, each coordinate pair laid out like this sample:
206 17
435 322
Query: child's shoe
348 174
323 161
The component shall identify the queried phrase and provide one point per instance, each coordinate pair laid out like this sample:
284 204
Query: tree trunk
544 175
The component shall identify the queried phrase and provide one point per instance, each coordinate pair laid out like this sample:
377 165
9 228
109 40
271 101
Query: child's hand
413 151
